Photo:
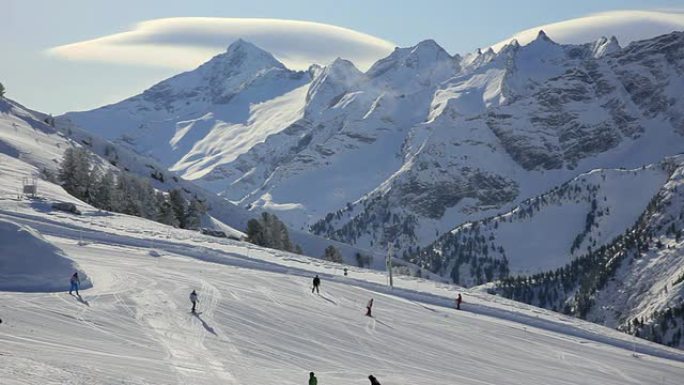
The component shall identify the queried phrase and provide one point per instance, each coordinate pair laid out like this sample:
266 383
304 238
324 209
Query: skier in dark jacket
312 379
459 299
75 283
369 307
316 284
373 380
194 300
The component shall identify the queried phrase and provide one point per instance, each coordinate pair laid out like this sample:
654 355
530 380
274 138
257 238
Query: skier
316 284
312 379
368 307
373 380
459 299
194 300
75 283
345 271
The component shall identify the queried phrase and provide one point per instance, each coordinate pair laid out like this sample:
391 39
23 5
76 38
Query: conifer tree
178 205
194 214
166 214
77 173
104 191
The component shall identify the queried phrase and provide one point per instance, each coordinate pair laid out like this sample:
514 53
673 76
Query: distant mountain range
416 146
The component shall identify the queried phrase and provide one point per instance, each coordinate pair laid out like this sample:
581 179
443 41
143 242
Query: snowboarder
369 306
316 284
373 380
75 283
459 299
194 300
312 379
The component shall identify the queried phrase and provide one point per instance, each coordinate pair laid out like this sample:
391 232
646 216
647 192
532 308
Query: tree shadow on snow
204 324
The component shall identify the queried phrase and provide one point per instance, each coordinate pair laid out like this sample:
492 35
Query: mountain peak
342 69
417 58
541 35
242 52
218 78
542 40
339 62
428 44
511 47
429 47
603 46
241 44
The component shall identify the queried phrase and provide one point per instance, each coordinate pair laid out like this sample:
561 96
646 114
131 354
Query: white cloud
186 42
627 26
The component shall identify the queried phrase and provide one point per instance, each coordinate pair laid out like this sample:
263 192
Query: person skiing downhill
75 283
316 284
194 300
459 299
373 380
369 306
312 379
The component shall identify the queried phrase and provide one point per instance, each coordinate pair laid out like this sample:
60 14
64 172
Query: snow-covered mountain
30 140
207 117
419 144
516 123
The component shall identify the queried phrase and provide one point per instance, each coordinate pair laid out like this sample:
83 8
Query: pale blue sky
47 83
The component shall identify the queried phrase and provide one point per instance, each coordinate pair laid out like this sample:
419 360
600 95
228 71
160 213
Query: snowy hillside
633 283
574 218
419 144
259 323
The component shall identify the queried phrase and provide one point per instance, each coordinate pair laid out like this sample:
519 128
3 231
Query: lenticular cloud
626 26
186 42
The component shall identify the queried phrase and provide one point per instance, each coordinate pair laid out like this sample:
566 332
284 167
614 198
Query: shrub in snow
66 207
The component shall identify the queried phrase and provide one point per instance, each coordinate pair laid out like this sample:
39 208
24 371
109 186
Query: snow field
259 323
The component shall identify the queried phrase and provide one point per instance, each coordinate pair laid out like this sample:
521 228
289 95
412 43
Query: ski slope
259 322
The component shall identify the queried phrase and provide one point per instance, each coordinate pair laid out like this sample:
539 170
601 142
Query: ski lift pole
388 262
